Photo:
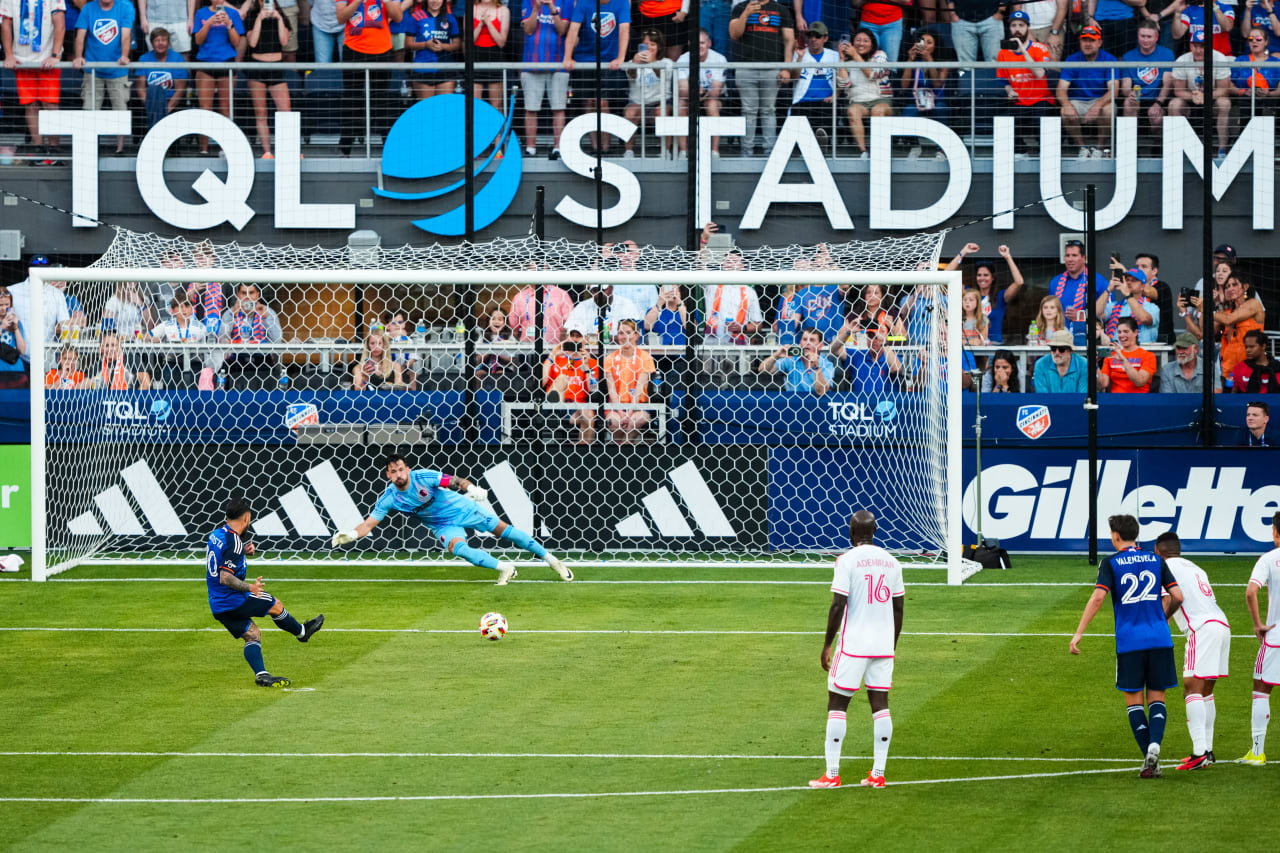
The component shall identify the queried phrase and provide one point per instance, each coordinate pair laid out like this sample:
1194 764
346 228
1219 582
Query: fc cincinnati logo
105 30
1033 421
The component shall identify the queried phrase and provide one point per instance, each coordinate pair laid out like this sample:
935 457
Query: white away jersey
1198 603
1266 572
871 577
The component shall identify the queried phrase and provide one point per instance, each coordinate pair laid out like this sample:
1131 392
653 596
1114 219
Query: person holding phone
646 96
1125 298
1262 14
926 84
1026 86
218 29
765 32
1077 289
268 35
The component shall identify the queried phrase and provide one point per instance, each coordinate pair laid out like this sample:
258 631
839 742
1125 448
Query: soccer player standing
866 610
1266 672
1208 647
1144 646
234 601
434 499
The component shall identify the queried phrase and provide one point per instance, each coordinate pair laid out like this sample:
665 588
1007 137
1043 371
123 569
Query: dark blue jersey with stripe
224 550
1135 579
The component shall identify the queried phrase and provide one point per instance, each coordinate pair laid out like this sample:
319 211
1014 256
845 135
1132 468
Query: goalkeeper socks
1210 714
253 654
1261 714
1195 723
1138 722
1159 716
882 731
835 737
286 622
475 556
525 541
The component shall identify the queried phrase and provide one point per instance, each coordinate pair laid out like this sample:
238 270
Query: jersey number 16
876 589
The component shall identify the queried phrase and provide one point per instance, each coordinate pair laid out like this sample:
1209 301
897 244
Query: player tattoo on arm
226 578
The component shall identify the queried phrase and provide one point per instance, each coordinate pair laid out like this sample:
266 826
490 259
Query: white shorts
1208 651
554 83
1267 667
848 673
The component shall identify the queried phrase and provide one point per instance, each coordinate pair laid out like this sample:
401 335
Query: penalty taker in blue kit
449 506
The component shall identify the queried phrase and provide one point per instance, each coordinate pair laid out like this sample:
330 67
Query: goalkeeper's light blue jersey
224 550
427 497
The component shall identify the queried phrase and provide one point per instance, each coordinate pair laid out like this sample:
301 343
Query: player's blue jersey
1135 579
224 550
427 498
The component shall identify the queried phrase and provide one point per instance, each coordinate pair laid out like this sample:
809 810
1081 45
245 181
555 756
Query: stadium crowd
644 41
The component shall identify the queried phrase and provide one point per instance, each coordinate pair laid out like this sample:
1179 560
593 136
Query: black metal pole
694 136
1091 339
470 418
540 298
1209 337
599 173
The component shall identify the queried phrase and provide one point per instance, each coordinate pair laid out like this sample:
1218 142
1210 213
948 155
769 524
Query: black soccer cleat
310 627
266 679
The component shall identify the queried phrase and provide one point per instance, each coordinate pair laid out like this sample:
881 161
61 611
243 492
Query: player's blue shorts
237 619
1149 668
454 525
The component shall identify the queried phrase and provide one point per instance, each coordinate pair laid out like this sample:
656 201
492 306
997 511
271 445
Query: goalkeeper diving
449 506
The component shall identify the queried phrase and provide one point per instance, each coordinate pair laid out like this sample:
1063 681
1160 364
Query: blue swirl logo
424 146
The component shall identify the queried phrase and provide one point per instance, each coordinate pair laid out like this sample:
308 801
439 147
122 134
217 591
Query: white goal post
55 501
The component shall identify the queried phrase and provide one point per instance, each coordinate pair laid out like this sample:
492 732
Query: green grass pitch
418 734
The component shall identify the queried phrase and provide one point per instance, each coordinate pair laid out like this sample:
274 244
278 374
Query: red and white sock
1210 714
835 739
1195 722
1261 714
882 731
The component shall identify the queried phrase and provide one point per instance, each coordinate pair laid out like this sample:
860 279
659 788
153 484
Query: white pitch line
540 755
586 582
552 796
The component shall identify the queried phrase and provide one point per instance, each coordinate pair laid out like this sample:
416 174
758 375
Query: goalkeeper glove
344 537
477 494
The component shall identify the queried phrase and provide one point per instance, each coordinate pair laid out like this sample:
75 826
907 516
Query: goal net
620 403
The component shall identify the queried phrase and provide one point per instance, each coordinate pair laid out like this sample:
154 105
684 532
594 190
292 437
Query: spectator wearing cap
815 89
1085 94
1257 87
1027 88
1185 374
1074 287
1191 19
1125 298
1257 415
1188 87
1061 371
1146 90
974 23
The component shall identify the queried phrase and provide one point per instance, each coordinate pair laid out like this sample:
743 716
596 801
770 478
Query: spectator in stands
1125 297
544 29
628 371
1147 90
1085 94
808 370
1262 14
765 32
814 95
580 47
1188 87
873 312
788 316
646 97
40 29
367 38
1257 88
1191 19
667 319
927 84
1184 374
160 90
1027 89
667 18
172 17
397 324
1129 368
1116 20
1237 313
56 313
1076 289
268 34
217 30
601 311
67 374
571 375
207 296
556 307
994 301
732 311
975 322
976 23
711 89
873 369
815 306
1048 20
13 346
128 312
1258 373
1257 415
181 328
492 29
104 34
250 321
715 17
1002 376
884 20
435 36
870 92
377 370
1049 321
625 255
326 31
493 365
1192 307
1061 371
115 372
1159 292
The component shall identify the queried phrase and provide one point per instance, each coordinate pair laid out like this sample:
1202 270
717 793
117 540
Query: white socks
836 724
1195 722
882 730
1261 714
1210 714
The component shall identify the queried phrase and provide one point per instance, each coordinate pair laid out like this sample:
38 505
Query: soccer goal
190 373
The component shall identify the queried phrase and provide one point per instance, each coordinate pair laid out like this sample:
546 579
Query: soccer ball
493 626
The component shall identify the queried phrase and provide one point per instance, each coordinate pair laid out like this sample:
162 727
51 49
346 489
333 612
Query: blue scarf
32 29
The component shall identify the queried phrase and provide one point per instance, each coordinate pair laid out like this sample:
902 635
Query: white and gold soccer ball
493 626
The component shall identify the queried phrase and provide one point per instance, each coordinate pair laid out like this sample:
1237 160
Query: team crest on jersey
1148 75
105 30
422 493
1033 421
606 24
375 12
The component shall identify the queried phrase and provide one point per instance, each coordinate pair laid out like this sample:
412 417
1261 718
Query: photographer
572 376
926 85
806 368
1124 298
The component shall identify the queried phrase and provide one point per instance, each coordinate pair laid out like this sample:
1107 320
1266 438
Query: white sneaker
1084 153
864 156
561 569
1095 153
506 573
628 154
